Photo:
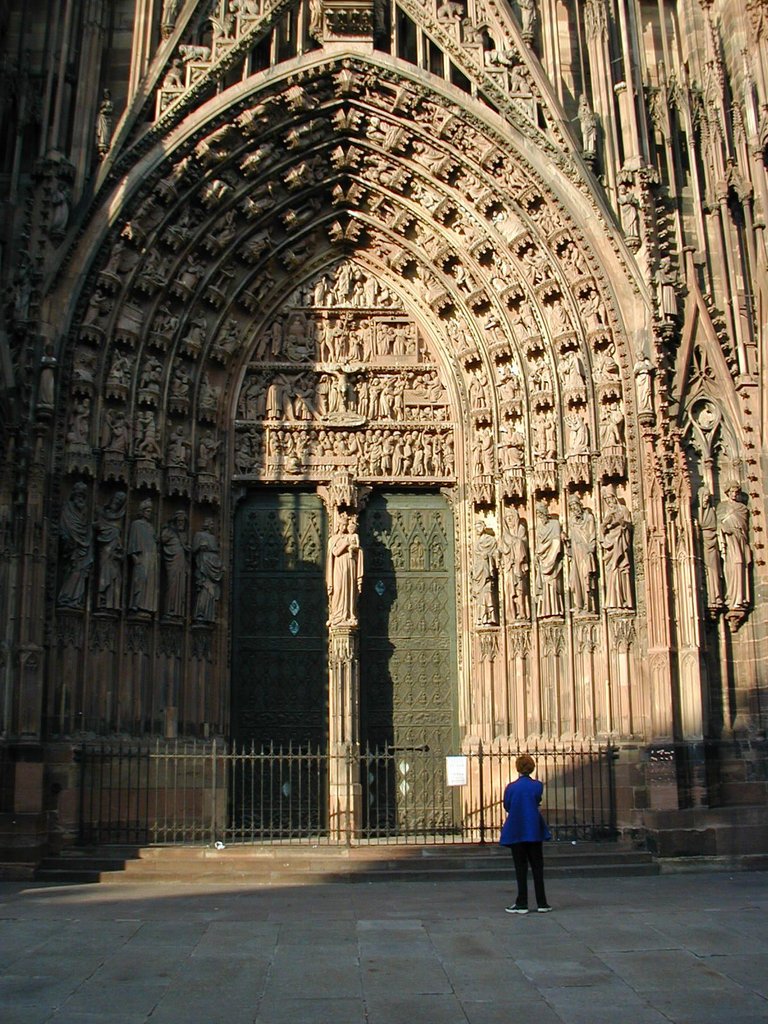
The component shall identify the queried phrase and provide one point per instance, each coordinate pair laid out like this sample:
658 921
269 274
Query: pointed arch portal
339 284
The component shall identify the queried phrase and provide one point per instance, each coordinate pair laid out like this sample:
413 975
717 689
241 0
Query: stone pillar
345 789
344 577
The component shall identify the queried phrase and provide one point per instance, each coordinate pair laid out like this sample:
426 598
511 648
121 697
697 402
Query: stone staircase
307 865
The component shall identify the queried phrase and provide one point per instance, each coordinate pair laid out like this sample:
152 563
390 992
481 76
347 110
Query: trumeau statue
485 572
344 572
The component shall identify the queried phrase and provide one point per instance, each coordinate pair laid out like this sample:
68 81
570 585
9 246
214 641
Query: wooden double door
407 618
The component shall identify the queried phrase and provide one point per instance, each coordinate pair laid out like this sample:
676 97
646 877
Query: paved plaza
690 949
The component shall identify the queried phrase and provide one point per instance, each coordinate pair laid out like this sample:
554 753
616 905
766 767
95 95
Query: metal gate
170 792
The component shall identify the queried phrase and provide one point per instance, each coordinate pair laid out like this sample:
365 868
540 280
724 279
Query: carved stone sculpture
549 563
515 562
208 573
76 544
629 210
109 537
615 542
104 123
710 551
175 549
46 388
582 546
644 386
588 125
168 17
733 530
143 554
667 286
344 573
485 576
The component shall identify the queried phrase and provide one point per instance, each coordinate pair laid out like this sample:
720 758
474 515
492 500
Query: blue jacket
524 822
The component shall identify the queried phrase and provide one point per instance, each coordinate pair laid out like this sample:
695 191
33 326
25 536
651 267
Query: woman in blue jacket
524 832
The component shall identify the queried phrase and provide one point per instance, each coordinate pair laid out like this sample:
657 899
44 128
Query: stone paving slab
670 949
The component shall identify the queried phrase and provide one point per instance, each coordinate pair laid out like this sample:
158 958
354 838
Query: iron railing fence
195 792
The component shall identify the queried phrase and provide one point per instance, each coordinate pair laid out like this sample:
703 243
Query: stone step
296 865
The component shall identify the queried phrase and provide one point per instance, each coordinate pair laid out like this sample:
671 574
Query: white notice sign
456 771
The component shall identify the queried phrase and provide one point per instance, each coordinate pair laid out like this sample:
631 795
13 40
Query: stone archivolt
356 276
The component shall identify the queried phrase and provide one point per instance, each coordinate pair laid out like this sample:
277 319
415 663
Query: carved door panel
279 650
407 660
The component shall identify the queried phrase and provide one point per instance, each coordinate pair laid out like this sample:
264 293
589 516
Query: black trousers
524 854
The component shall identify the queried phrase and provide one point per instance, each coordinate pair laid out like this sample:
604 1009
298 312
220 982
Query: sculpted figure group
507 566
134 568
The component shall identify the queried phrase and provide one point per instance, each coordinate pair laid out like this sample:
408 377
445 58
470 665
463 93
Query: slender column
595 20
142 43
344 578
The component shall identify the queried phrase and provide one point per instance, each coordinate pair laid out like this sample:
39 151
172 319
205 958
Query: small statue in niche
582 547
710 550
549 563
147 445
143 554
733 531
578 433
611 425
588 125
644 385
104 123
629 211
115 432
179 450
46 388
76 542
515 562
605 369
208 573
527 18
571 371
615 542
109 537
344 572
59 212
168 17
173 543
485 575
208 453
667 290
79 424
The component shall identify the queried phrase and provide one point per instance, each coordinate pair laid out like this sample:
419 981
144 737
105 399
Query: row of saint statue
509 559
85 545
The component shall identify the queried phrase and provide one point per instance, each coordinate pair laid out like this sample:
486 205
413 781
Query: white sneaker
514 909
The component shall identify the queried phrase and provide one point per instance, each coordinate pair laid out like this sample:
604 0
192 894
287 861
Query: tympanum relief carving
342 379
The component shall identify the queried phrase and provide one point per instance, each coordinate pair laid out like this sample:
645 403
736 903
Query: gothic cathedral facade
387 371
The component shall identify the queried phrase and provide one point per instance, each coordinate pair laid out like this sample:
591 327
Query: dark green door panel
407 656
279 650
